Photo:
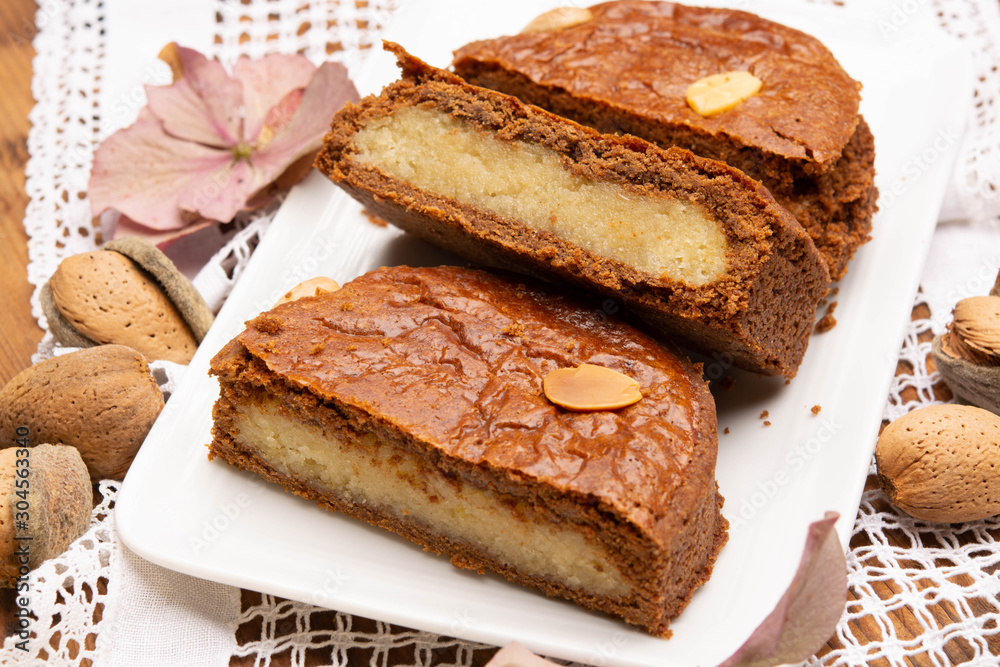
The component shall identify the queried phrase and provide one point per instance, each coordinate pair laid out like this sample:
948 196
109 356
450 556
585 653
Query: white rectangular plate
206 519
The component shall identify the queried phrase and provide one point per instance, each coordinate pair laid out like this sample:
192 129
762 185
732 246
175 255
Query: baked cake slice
695 247
628 68
413 399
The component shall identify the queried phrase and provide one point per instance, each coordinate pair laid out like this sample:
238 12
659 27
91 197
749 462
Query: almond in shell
976 324
127 293
970 380
45 503
942 463
102 400
968 354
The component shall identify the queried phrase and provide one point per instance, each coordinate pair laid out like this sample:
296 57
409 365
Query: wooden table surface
20 332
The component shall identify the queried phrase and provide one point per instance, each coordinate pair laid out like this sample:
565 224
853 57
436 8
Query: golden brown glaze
644 55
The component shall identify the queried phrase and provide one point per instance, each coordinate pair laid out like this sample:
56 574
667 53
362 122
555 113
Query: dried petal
224 192
203 106
126 228
141 171
278 117
266 83
329 89
807 614
515 655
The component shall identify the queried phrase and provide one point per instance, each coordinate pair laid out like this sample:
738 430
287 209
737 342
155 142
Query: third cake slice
695 247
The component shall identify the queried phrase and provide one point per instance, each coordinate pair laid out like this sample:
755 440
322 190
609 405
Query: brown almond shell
62 329
42 512
977 384
178 288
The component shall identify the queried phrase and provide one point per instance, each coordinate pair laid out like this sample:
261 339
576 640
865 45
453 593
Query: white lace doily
100 602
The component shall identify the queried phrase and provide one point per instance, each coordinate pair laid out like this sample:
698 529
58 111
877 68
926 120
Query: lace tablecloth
100 602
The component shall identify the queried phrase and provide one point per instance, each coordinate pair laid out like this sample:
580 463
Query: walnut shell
43 509
940 463
102 400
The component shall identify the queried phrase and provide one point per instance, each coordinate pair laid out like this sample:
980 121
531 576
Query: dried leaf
807 614
329 90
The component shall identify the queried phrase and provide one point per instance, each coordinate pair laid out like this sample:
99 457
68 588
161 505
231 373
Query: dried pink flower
807 614
212 144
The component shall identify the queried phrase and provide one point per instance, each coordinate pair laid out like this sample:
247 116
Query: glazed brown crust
812 151
447 363
662 48
769 251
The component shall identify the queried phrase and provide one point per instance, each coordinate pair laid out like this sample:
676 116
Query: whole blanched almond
45 503
558 19
312 287
101 400
942 463
107 298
